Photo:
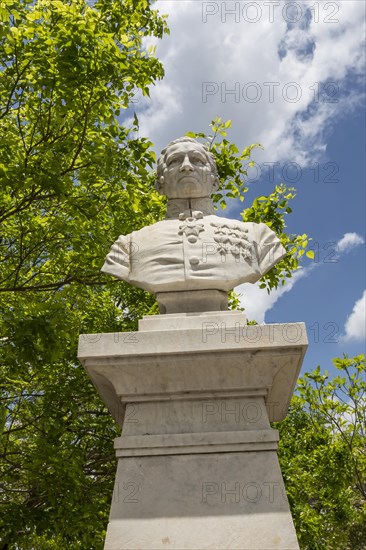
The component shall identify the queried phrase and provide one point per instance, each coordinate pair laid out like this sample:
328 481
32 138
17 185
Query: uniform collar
187 206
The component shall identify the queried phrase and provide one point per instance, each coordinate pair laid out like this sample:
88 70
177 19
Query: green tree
72 178
68 69
323 457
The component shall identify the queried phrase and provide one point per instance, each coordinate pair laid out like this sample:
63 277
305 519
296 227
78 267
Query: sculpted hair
161 159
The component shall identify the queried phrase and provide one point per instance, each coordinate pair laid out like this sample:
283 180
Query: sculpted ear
215 183
159 185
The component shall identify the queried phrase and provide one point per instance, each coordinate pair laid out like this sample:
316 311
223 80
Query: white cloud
355 326
257 301
349 241
231 52
166 106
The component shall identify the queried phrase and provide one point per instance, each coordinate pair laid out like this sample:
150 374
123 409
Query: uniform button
194 260
192 239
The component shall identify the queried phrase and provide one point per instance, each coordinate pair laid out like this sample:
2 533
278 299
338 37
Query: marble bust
193 258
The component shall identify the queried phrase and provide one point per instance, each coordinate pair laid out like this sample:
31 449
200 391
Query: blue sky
289 75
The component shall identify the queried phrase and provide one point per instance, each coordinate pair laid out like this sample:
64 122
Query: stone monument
195 389
192 258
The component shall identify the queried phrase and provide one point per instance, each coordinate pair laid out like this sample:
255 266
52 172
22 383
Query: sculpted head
186 170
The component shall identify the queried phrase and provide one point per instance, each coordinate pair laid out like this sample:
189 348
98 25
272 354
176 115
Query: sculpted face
187 172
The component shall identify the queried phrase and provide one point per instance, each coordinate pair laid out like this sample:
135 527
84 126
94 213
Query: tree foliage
68 70
323 457
72 179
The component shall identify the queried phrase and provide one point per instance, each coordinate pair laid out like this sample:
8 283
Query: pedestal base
197 459
192 301
202 501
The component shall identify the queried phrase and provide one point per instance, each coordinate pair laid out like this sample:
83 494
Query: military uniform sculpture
192 250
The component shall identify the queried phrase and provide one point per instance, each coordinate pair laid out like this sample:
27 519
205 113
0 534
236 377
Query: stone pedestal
197 459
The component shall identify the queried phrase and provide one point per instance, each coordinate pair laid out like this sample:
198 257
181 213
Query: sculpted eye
173 161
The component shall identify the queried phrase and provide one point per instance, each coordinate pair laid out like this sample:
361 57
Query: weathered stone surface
195 389
197 461
218 354
192 301
192 250
182 321
202 501
168 257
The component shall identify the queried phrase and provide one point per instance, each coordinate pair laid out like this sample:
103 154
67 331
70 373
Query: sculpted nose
186 165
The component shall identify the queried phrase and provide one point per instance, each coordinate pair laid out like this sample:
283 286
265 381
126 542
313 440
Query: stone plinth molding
197 458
